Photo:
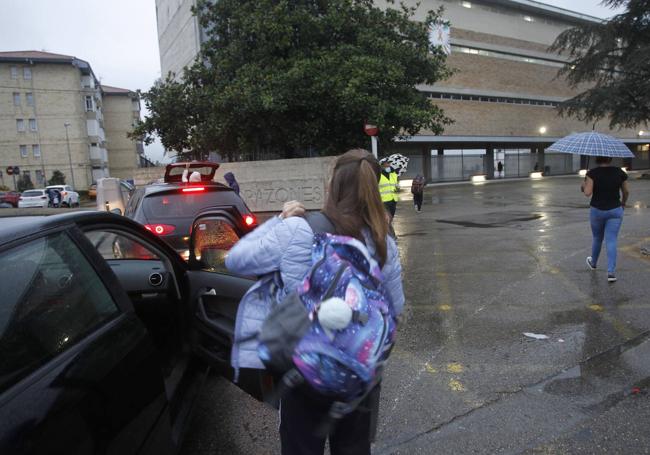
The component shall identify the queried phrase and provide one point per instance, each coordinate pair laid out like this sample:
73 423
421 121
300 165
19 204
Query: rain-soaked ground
482 265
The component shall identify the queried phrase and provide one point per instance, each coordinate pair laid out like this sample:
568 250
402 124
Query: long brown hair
353 201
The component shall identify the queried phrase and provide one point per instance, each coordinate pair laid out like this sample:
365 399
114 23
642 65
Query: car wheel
65 204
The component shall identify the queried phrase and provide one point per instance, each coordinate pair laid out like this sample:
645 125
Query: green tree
58 178
613 58
24 183
296 77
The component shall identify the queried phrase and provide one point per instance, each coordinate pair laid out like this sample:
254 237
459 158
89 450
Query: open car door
215 297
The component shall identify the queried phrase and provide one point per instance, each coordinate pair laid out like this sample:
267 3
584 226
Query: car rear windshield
177 172
32 193
187 205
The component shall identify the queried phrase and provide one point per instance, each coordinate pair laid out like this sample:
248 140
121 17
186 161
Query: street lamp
542 130
67 140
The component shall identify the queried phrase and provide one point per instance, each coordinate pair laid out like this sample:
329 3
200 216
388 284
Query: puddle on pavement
495 220
413 234
606 378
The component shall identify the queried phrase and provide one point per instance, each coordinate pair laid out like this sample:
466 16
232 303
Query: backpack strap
319 223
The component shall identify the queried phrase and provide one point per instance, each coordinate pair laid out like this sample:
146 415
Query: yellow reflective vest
388 187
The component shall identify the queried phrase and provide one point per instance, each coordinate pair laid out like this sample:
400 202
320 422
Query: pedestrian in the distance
500 169
284 244
417 189
605 184
232 183
388 187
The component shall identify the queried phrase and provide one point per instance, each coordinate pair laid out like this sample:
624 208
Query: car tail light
160 229
193 189
249 220
43 197
20 199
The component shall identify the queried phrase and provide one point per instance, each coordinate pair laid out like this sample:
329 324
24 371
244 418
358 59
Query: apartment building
503 96
54 115
121 109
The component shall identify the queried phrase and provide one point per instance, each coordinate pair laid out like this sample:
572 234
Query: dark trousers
417 200
302 417
391 206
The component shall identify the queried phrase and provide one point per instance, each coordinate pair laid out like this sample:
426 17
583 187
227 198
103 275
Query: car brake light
249 220
194 189
43 197
160 229
20 199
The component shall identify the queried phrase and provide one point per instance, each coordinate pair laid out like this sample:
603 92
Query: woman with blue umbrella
607 187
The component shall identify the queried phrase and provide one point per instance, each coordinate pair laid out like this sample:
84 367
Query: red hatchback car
9 197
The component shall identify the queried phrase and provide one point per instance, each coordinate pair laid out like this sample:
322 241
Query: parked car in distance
106 334
69 197
33 198
10 197
167 208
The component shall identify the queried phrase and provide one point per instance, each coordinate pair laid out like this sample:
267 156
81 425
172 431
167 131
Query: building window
29 97
20 125
23 151
16 99
27 73
32 124
36 150
89 103
14 72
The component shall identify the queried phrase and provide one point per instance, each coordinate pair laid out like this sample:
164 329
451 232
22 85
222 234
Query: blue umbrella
592 144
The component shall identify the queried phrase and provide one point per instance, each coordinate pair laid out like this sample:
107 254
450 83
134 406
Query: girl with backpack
284 245
417 189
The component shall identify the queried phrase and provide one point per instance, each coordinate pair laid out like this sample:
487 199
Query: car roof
16 227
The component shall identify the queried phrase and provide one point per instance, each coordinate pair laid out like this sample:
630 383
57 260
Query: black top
607 186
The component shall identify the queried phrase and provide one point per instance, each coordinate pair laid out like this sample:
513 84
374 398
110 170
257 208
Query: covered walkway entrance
455 158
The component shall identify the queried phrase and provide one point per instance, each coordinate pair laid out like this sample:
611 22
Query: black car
168 208
106 333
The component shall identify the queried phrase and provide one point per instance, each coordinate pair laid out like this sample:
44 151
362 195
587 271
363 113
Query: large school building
503 96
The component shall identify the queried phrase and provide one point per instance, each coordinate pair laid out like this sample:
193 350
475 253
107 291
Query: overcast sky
119 37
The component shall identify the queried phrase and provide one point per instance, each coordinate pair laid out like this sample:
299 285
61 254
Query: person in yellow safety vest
388 187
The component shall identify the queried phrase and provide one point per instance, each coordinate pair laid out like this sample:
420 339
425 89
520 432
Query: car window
53 299
32 193
114 245
133 203
213 238
184 205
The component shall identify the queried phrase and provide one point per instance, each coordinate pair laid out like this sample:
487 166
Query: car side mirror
213 235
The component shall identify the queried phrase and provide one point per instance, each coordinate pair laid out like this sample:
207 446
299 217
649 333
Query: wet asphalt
482 265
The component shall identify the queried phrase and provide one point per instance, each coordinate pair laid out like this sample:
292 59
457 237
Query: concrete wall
504 21
178 35
267 185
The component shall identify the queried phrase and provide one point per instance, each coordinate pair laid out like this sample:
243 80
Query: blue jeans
605 223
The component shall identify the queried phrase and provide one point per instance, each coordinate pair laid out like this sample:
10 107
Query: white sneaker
590 264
